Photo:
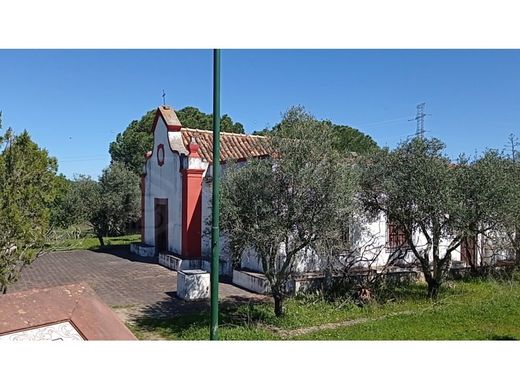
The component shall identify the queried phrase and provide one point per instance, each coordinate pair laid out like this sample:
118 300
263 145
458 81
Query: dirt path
128 315
287 334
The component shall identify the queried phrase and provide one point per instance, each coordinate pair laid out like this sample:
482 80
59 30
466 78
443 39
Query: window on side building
395 237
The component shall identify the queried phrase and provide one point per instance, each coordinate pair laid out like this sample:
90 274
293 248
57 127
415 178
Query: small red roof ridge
169 117
193 148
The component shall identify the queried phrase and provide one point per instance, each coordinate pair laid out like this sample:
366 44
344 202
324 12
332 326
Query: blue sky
74 102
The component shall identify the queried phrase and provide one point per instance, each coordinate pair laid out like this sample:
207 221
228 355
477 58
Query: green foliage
264 132
472 311
418 188
109 205
349 139
468 311
506 214
131 145
291 202
82 200
120 198
73 239
415 187
345 138
485 183
59 216
27 191
193 118
489 191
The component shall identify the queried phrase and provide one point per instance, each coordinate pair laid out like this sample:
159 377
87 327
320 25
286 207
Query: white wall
378 229
305 261
371 240
164 182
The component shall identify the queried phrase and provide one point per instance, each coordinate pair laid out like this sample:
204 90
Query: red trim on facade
193 149
160 150
148 155
191 212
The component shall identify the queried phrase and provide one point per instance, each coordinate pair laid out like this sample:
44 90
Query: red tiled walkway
119 278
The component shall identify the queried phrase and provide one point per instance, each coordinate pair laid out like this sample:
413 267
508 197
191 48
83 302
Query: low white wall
142 250
255 283
176 263
306 261
225 269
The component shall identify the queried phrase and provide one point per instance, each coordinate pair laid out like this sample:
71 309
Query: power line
402 119
84 156
60 161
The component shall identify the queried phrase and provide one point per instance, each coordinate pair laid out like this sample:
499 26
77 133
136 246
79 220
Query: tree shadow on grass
176 317
501 337
410 291
416 292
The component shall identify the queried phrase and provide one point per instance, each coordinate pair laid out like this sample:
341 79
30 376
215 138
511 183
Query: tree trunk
433 289
278 304
517 246
4 289
101 242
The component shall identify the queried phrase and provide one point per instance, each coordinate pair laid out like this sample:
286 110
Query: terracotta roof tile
232 146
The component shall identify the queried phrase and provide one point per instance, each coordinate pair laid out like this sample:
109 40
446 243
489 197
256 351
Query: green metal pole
215 214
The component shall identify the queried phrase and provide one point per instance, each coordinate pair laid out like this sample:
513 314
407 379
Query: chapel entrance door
161 225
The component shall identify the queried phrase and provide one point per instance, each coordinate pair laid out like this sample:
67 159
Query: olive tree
434 202
280 207
510 212
506 213
109 204
485 194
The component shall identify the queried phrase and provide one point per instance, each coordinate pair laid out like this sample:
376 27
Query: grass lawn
474 310
63 240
